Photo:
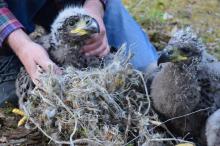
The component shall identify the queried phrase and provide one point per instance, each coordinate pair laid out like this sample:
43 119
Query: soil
10 134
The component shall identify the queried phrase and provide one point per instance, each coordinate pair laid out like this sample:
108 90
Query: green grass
202 15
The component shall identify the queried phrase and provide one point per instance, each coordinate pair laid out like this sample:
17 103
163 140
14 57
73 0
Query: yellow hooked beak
173 55
180 58
80 29
86 27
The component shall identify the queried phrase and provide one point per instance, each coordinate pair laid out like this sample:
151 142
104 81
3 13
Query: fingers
39 61
102 50
49 66
36 76
105 52
92 45
46 63
97 51
31 69
98 47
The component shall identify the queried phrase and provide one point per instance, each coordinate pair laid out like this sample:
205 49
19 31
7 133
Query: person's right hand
30 54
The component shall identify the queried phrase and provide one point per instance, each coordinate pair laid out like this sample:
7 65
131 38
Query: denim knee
122 28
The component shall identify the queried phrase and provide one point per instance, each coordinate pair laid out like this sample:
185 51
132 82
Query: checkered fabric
8 22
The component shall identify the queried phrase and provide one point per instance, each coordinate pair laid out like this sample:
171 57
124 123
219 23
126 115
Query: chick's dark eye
185 50
170 52
71 22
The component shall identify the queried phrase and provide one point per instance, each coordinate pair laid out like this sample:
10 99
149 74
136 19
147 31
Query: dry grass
96 106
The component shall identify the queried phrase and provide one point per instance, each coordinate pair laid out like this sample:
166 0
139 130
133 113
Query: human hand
33 55
98 44
30 54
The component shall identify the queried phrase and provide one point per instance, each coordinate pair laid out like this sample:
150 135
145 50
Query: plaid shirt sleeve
8 22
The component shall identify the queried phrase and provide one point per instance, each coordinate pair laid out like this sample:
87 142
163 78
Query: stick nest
95 106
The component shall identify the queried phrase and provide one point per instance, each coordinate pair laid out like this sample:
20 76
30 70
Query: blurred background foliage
160 18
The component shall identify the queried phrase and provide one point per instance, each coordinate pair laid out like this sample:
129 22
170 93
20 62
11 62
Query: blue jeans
120 26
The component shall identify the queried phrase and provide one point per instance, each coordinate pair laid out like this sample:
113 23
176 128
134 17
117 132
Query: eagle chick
185 87
69 32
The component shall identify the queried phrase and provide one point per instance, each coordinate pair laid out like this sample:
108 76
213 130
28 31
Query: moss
8 111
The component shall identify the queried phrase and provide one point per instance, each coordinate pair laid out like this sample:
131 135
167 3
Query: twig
128 119
171 119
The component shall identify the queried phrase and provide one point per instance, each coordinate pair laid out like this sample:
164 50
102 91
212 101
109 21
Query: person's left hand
98 44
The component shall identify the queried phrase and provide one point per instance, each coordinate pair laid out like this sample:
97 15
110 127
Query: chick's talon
22 121
18 112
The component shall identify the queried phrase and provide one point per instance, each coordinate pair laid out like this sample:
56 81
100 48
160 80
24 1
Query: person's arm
8 23
30 53
98 44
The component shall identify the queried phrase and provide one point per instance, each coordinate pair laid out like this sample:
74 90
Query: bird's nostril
88 22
